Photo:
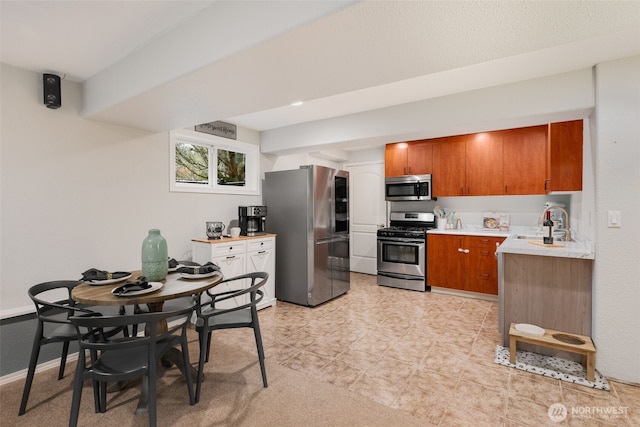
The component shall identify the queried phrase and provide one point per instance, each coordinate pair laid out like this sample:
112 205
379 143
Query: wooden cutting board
539 243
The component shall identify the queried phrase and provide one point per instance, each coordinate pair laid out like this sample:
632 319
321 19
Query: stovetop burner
408 224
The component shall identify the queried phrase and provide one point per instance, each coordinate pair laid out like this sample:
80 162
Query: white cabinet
261 256
239 256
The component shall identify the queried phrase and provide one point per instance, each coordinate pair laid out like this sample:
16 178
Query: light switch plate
613 219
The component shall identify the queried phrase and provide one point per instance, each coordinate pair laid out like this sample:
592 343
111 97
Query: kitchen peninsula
548 286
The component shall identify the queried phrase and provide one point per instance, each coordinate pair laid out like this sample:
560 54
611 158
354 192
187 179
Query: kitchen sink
556 237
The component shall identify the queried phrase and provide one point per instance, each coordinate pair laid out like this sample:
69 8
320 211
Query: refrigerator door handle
332 239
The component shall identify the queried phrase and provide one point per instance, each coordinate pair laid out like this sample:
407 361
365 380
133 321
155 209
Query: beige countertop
232 239
579 248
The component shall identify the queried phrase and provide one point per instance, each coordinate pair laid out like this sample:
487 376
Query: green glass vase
154 256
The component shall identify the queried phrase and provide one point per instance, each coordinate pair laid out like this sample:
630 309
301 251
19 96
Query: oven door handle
401 241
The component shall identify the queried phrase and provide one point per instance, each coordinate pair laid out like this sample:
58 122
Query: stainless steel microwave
407 188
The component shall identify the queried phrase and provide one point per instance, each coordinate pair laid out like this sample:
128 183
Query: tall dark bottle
547 230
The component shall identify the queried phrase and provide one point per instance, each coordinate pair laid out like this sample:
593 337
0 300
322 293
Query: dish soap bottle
154 256
547 230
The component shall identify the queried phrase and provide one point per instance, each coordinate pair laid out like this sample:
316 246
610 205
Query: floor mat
553 367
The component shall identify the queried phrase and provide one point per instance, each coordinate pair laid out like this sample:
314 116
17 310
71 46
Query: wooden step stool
586 349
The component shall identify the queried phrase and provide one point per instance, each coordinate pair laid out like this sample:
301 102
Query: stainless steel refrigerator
309 212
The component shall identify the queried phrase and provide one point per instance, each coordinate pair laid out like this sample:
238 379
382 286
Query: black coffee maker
252 220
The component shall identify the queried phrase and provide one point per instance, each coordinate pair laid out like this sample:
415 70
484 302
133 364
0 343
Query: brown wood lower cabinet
462 262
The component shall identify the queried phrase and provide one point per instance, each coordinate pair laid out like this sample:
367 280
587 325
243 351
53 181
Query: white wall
78 193
617 187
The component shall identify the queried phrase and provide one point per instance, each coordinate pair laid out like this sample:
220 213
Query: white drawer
260 244
228 249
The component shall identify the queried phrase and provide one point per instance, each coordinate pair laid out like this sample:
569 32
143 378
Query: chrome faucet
566 229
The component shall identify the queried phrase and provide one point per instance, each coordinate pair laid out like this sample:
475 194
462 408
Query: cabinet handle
261 252
484 275
484 240
460 250
466 251
484 252
232 256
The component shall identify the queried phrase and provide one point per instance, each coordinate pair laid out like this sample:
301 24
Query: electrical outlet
613 219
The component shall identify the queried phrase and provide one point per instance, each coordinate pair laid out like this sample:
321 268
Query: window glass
201 162
192 163
231 167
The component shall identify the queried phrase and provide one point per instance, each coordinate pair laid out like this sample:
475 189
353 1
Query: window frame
252 164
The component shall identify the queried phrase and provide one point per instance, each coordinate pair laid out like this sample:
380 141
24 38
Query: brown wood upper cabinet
484 164
408 158
523 161
564 156
448 174
524 157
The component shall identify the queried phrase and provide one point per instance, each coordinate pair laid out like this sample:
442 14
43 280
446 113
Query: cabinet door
564 156
231 266
445 263
420 158
524 158
261 257
448 174
483 164
482 264
395 159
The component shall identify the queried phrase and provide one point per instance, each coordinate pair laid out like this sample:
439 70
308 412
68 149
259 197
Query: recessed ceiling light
296 103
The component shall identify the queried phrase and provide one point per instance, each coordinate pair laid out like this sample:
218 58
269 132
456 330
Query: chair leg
63 359
77 392
102 386
152 395
208 345
204 345
256 332
35 352
187 368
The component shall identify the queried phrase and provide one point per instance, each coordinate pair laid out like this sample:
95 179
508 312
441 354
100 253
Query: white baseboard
44 366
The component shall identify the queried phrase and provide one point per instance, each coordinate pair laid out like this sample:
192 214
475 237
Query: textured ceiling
339 57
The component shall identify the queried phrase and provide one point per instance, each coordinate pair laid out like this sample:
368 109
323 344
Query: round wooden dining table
174 286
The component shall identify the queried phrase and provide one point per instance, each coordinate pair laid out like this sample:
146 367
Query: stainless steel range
402 250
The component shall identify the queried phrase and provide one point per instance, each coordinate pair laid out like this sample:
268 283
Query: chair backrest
62 303
95 339
257 279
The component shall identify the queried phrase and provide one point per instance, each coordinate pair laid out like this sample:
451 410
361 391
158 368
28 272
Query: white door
367 213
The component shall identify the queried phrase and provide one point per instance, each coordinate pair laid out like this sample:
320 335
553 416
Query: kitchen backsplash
522 210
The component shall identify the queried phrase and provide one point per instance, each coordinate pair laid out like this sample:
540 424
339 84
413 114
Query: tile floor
430 355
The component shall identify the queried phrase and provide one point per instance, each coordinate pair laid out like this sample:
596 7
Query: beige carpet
232 395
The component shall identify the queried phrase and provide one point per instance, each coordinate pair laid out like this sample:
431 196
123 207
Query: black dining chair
122 359
244 315
54 306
